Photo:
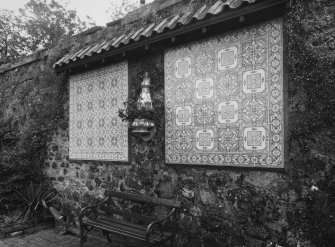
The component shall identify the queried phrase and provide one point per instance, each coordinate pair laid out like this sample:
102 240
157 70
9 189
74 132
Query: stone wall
213 199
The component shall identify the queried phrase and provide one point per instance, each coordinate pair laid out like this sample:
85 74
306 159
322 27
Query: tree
40 24
11 41
45 21
118 10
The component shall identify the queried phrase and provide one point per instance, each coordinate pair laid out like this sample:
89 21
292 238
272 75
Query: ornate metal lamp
144 104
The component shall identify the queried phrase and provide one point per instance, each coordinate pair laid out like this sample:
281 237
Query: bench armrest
91 209
158 225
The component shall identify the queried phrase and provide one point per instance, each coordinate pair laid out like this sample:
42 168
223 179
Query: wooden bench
111 220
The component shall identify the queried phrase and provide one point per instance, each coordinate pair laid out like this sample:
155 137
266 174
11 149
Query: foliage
64 210
15 170
29 115
40 24
312 216
34 196
12 44
310 32
47 21
311 54
12 218
254 210
131 110
117 11
19 165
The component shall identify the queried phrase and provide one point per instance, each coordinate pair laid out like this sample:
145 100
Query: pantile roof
220 7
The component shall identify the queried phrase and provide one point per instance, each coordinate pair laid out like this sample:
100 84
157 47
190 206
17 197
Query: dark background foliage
28 114
310 33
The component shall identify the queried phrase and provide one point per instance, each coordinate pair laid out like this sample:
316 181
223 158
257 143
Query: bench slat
123 227
144 218
111 221
120 231
142 198
130 230
125 223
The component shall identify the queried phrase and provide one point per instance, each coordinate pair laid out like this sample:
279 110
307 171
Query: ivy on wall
311 173
311 54
32 100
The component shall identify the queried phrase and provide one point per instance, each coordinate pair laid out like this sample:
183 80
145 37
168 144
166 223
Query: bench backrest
146 199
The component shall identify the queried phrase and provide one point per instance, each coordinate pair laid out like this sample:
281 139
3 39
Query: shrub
35 199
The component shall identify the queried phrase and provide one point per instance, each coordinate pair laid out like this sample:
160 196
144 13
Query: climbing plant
29 115
309 28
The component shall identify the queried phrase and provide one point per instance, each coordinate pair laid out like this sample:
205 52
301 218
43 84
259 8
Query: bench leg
81 236
167 243
107 236
171 242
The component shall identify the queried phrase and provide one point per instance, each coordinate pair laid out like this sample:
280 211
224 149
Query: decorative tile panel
224 99
96 131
